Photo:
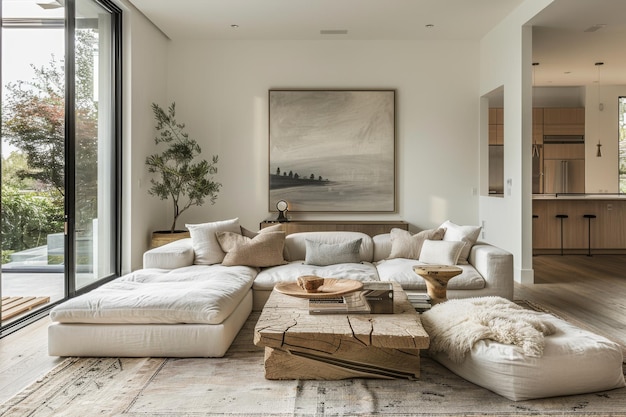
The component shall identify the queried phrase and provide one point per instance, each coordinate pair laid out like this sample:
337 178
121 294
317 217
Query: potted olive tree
179 176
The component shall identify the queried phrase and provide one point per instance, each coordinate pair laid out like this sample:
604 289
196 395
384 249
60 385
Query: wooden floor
590 290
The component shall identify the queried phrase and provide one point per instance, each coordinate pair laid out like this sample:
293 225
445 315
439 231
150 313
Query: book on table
419 301
374 298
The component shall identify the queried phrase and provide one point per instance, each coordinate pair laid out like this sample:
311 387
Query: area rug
235 386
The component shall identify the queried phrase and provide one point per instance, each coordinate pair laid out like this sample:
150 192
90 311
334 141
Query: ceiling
565 51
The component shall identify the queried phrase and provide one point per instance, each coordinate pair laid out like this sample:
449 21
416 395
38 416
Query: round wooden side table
437 277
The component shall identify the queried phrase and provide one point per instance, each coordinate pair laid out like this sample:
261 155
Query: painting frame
332 150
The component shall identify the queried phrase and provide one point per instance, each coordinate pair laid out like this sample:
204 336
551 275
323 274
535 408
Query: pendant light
535 150
600 108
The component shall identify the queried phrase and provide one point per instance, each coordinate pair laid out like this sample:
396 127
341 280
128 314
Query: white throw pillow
440 252
467 234
205 245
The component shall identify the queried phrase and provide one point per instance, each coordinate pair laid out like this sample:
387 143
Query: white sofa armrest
173 255
496 267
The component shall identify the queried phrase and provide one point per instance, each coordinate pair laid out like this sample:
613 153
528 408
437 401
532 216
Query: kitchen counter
607 228
579 196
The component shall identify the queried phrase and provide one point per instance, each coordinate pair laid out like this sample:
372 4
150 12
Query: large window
622 145
60 151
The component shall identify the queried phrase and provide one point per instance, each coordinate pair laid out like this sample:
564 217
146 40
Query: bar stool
589 217
561 216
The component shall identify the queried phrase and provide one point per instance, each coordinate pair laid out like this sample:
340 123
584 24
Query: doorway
60 152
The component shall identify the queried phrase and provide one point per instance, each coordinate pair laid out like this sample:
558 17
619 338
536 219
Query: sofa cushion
467 234
407 245
205 245
194 294
322 254
401 271
268 277
574 361
441 252
265 249
173 255
295 243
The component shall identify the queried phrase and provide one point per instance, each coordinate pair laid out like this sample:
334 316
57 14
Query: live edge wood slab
339 346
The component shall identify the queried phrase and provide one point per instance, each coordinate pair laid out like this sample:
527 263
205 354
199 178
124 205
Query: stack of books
374 298
420 301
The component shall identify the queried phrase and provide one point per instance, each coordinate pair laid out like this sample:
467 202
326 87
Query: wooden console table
371 228
338 346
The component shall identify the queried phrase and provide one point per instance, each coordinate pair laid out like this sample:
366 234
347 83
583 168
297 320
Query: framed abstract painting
332 150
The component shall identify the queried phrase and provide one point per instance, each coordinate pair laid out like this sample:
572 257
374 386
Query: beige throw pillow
406 245
440 252
467 234
205 246
265 249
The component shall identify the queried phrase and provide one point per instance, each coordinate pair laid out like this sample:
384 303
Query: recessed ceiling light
333 32
595 27
429 26
234 26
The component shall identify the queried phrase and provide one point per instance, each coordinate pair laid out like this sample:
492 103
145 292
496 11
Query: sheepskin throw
455 325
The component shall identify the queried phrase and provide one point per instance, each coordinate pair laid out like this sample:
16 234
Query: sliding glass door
60 152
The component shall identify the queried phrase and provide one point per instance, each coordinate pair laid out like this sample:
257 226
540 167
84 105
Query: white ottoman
574 361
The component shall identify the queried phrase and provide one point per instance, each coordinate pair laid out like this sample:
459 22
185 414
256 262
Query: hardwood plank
14 306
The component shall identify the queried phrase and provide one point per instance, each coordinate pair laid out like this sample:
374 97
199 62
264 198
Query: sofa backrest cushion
295 243
382 246
173 255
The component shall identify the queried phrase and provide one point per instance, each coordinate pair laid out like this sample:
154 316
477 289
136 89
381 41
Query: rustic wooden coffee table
339 346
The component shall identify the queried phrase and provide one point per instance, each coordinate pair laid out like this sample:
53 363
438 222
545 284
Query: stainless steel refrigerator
563 176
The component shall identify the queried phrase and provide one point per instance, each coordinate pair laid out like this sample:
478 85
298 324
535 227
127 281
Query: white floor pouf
574 361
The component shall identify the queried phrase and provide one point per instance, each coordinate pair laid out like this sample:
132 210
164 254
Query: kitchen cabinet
537 126
496 126
608 229
563 121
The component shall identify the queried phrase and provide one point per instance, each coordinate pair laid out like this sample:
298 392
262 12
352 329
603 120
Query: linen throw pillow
406 245
265 249
467 234
322 254
205 245
251 234
440 252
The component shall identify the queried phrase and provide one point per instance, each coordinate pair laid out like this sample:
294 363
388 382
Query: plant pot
162 237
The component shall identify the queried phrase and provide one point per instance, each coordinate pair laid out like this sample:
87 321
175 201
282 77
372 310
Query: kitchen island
607 228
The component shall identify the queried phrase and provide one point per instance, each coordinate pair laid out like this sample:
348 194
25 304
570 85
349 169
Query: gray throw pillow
322 254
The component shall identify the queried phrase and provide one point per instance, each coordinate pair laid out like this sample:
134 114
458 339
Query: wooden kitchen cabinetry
537 126
563 121
371 228
496 126
608 229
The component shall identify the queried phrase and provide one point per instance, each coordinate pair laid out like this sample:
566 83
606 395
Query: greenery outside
33 176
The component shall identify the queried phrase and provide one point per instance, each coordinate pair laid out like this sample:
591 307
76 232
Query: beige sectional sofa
177 307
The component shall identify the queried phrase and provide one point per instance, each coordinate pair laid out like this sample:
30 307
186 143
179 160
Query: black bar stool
562 216
589 217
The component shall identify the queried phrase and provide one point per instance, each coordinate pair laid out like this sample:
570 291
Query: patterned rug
235 386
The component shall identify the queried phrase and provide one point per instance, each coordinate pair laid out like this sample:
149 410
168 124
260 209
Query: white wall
145 51
504 53
221 89
602 174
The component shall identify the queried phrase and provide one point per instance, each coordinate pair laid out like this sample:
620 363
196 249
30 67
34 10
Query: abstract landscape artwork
332 150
